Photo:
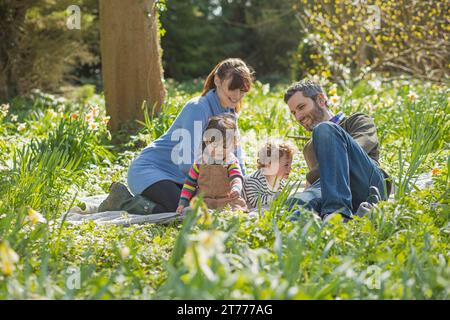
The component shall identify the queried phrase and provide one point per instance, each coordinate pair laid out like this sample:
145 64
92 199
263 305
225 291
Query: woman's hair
266 153
242 76
221 127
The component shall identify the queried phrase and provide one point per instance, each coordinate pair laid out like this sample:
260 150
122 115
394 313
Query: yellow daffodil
435 171
35 217
105 120
8 259
124 252
333 90
52 113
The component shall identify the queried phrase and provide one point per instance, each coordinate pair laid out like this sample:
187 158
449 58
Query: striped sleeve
255 190
235 176
190 185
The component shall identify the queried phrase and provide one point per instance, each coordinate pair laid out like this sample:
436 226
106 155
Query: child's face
217 150
281 168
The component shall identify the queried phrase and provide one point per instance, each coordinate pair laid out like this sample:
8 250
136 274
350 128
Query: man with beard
342 155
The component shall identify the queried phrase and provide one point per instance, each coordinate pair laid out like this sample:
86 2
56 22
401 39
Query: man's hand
180 209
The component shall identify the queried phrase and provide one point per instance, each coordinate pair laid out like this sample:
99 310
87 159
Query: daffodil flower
124 252
8 259
35 217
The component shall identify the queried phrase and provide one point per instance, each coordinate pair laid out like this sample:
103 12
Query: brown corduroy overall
214 185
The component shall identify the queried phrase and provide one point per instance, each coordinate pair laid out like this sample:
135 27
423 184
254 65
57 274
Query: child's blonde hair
283 148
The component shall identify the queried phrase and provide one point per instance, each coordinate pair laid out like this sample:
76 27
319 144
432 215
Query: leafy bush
31 31
350 39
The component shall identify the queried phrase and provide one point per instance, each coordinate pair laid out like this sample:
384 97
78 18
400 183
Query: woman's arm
192 120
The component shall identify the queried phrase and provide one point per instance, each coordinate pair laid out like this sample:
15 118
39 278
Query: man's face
306 111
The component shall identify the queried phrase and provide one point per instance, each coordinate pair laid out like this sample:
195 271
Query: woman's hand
180 209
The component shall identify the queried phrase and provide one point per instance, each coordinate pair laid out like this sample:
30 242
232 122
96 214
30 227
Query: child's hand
180 209
234 194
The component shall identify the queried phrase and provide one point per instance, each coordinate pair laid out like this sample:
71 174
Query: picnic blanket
76 215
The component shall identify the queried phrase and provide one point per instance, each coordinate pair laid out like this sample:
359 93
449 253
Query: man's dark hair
309 88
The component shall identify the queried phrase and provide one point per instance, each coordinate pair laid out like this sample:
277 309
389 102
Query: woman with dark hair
158 173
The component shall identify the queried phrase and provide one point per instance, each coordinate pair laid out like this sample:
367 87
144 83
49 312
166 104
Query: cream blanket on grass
122 218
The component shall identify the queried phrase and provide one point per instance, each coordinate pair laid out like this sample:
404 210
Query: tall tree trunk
4 92
12 19
131 59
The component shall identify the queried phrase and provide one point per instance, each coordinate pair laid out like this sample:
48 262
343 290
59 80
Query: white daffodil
21 127
201 248
334 100
412 96
93 126
376 84
265 88
4 109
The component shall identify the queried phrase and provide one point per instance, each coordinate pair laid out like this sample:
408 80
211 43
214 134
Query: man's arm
363 130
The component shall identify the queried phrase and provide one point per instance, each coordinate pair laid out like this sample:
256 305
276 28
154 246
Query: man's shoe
328 216
118 193
364 209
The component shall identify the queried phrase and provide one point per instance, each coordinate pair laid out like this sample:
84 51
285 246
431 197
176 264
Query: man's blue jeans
346 174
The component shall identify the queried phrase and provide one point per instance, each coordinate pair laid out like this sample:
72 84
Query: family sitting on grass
200 156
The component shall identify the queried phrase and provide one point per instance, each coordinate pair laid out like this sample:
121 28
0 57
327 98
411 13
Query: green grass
50 156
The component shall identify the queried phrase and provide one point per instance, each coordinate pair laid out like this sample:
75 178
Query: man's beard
317 116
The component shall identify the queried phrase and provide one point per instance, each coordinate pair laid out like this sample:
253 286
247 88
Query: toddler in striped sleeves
216 175
274 166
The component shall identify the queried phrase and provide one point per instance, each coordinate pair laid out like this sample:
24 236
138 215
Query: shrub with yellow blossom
404 36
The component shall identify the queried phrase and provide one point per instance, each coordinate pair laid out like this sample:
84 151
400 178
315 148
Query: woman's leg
165 194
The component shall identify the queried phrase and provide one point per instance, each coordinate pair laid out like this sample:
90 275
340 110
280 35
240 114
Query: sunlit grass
53 150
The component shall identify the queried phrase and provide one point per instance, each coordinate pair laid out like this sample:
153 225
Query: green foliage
400 251
221 29
279 39
37 50
349 40
426 132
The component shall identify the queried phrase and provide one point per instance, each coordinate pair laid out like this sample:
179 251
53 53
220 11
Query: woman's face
228 98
